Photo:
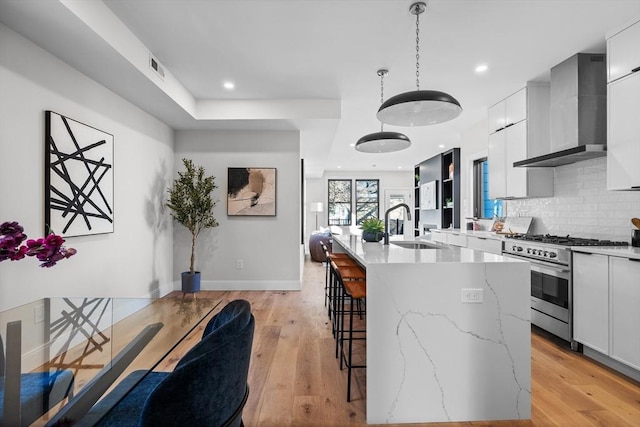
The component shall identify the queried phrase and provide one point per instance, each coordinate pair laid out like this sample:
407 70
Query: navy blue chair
208 387
39 391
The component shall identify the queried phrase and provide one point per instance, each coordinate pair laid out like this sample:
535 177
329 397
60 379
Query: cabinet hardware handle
481 238
499 129
634 259
509 125
635 69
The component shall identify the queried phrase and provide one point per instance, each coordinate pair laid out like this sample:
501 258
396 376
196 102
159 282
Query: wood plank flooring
295 379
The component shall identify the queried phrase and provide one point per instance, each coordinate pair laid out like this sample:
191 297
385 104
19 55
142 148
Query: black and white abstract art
251 192
78 178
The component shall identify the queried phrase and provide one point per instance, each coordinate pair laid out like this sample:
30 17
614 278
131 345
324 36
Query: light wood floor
295 380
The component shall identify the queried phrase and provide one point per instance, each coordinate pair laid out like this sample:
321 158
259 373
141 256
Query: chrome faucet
386 219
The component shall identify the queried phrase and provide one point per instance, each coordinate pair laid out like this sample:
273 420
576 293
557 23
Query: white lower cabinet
606 306
457 239
591 300
493 246
465 240
624 280
438 236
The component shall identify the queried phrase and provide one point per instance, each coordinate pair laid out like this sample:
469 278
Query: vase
372 236
190 282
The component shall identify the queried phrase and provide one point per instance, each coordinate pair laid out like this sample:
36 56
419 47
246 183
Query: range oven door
551 297
551 290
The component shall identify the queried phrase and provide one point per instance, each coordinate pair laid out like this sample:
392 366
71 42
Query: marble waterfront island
448 333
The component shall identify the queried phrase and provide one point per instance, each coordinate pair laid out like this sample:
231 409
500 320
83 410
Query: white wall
135 260
269 247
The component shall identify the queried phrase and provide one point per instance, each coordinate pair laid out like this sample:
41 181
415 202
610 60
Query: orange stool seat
357 289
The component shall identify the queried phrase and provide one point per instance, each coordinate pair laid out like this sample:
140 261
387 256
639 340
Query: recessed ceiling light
229 85
399 167
441 146
481 68
339 167
352 145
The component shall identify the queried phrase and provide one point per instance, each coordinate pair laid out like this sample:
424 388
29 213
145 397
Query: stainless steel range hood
565 157
578 108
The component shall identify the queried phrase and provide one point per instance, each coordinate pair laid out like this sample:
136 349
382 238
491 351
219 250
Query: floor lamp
317 207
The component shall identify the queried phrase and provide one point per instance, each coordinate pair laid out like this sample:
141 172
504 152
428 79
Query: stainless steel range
551 283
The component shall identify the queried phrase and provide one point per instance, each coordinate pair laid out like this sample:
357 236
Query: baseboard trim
247 285
611 363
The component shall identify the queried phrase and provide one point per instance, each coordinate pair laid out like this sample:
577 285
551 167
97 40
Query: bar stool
356 290
339 276
340 259
328 257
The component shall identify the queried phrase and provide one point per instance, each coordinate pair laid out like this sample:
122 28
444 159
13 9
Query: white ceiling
321 50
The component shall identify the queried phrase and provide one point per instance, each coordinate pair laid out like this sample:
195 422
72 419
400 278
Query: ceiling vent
155 66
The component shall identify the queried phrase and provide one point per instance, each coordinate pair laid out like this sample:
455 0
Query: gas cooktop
565 240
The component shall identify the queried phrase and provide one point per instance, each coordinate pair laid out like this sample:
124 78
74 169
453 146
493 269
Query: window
339 202
483 206
367 199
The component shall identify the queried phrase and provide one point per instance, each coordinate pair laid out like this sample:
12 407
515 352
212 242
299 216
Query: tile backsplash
581 205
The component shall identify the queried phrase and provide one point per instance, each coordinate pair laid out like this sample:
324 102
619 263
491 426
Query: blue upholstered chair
208 387
39 391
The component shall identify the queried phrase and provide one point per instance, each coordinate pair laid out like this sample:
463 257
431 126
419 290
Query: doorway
399 223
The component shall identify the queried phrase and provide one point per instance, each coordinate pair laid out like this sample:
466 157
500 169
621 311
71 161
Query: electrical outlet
38 313
239 264
473 296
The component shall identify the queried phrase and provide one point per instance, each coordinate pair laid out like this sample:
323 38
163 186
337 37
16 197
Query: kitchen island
432 357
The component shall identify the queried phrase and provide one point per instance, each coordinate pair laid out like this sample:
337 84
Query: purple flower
11 236
48 250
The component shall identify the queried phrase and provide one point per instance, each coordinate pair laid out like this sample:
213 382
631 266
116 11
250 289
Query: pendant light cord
418 50
381 96
382 73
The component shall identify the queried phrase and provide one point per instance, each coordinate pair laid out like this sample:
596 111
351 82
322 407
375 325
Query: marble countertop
377 253
619 251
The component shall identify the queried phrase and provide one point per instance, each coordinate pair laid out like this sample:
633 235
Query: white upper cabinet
516 149
623 133
497 165
508 112
623 52
623 109
519 129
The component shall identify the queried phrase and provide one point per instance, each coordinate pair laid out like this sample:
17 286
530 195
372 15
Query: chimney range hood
578 93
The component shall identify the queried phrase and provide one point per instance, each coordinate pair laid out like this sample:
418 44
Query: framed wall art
428 199
251 192
78 177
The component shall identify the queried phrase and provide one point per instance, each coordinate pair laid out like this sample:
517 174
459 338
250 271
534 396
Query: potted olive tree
191 205
372 229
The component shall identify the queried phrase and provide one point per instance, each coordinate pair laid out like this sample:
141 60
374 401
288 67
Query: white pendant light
419 107
382 142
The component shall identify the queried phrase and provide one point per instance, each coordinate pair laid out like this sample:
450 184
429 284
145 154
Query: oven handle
546 268
540 268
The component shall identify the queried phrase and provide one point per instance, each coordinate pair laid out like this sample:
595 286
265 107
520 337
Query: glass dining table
59 356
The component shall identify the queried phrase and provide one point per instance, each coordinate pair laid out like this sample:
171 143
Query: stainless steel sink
416 245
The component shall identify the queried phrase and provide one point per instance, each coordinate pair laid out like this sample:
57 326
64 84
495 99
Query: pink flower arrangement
48 249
